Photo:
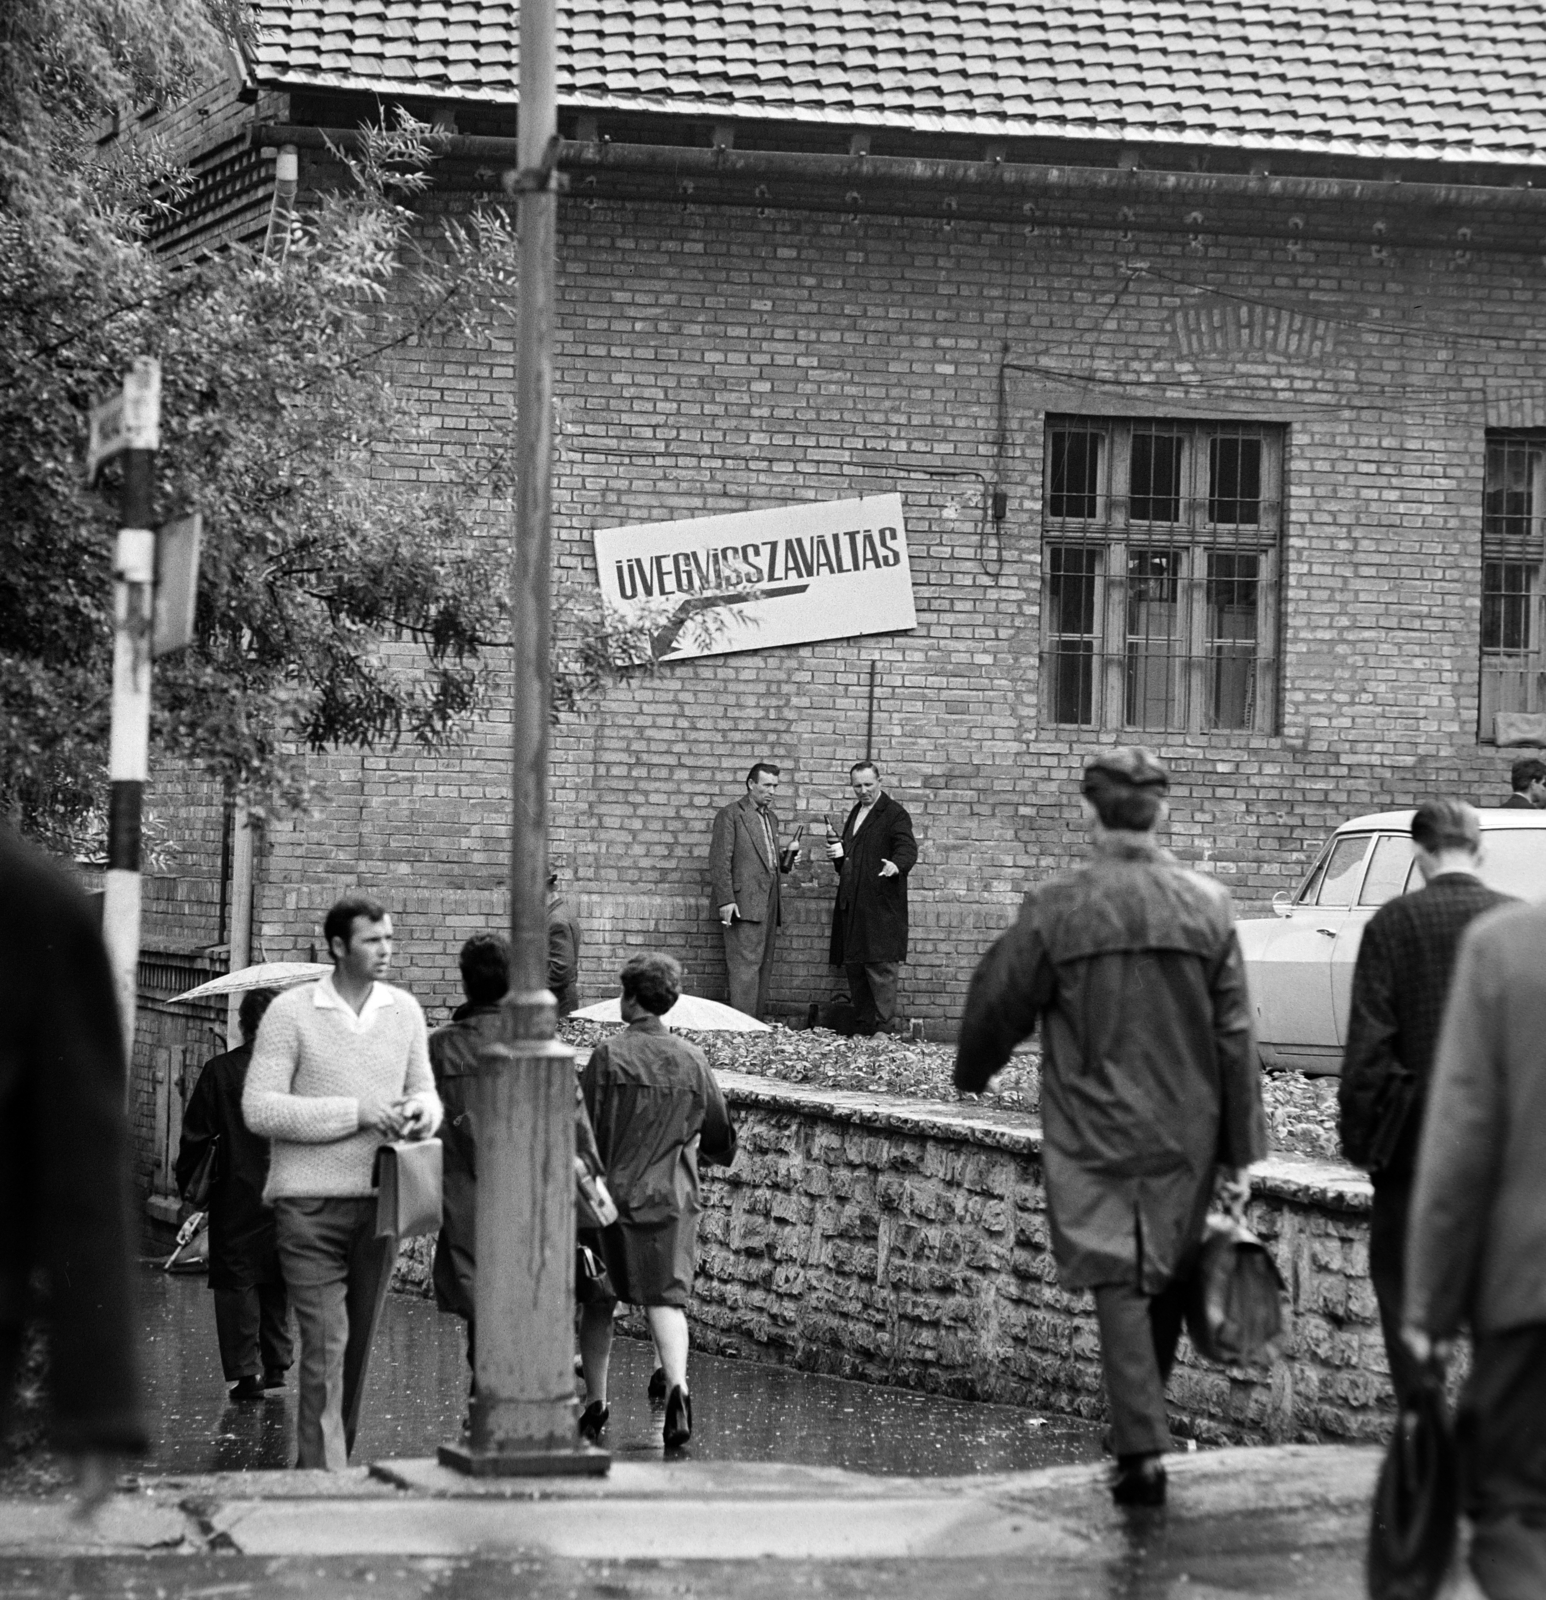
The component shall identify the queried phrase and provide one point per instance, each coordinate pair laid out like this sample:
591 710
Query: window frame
1521 547
1198 646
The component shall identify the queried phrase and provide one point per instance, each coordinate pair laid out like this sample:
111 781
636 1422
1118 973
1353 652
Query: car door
1390 871
1291 983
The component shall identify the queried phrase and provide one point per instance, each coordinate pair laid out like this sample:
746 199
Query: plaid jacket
1399 988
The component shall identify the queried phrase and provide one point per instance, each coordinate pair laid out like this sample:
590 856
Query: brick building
1202 342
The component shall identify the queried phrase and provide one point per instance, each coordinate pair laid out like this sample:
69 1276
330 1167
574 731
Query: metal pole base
578 1460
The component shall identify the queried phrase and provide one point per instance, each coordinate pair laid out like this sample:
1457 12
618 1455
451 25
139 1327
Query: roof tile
1461 80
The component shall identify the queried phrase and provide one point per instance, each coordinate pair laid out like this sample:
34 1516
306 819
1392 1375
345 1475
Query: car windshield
1514 862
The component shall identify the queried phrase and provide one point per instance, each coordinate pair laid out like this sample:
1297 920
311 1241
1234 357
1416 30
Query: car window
1514 861
1344 867
1388 869
1306 896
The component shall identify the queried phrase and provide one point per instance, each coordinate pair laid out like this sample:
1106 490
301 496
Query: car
1299 962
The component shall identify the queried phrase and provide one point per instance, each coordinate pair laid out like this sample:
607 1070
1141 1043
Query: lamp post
523 1415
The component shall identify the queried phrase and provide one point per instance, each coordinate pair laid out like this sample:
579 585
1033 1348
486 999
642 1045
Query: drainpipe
241 912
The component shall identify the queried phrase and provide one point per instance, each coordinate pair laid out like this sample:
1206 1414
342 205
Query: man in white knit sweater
339 1067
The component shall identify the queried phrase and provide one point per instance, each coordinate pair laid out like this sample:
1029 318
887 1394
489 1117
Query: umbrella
266 975
691 1012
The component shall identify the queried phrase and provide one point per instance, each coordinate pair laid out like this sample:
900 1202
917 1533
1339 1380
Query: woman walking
657 1111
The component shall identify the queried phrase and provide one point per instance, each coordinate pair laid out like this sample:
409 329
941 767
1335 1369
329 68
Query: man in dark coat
1399 987
1150 1083
1476 1248
252 1307
64 1167
869 921
1527 784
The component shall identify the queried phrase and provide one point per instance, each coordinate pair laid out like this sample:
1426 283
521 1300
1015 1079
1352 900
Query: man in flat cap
1149 1082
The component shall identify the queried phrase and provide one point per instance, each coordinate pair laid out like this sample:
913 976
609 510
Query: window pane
1388 867
1073 607
1156 478
1234 480
1508 501
1506 587
1233 580
1341 877
1075 487
1154 639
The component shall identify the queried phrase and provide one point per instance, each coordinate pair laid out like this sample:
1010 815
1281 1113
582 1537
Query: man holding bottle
745 864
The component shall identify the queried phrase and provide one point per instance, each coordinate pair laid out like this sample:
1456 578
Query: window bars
1161 550
1513 545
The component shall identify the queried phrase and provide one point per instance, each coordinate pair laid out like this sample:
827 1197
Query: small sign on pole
177 583
128 420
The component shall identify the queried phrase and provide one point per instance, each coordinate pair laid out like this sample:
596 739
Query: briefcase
408 1175
1413 1526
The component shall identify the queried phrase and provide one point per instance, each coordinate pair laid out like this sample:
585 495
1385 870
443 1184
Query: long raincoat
1149 1068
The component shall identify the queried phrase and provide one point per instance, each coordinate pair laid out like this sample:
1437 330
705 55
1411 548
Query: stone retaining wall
906 1242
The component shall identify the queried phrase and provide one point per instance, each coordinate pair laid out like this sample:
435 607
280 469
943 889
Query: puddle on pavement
416 1393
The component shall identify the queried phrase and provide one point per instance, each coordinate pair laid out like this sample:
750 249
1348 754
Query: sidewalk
1284 1521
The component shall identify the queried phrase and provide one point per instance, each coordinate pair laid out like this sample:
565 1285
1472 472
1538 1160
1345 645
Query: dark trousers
1138 1334
872 988
337 1271
749 957
253 1327
1387 1272
1500 1426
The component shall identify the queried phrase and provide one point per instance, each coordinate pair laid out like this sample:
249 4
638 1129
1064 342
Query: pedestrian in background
1150 1083
656 1110
1476 1247
340 1066
252 1309
563 949
1400 984
745 865
872 858
1527 785
65 1216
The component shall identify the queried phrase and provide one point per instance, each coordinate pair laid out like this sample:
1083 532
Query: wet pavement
415 1397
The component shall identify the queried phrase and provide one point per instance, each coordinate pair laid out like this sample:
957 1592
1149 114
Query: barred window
1513 523
1160 556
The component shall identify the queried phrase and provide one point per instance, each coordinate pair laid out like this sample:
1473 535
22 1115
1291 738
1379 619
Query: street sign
128 420
177 583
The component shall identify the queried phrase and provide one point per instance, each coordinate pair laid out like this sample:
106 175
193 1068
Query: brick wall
717 360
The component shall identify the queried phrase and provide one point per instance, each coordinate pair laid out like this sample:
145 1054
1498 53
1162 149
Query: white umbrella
266 975
690 1012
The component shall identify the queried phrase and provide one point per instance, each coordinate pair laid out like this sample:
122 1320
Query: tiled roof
1448 80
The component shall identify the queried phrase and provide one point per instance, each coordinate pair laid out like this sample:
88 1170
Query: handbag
1234 1304
204 1176
1416 1511
1392 1107
592 1286
408 1175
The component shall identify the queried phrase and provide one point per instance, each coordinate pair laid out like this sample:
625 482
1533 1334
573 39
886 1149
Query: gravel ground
1301 1112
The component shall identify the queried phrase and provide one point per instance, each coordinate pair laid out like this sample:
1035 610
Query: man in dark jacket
745 865
252 1308
1149 1083
64 1167
869 921
1476 1249
1527 785
1399 987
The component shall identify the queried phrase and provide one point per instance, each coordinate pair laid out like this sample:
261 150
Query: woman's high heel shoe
592 1420
678 1428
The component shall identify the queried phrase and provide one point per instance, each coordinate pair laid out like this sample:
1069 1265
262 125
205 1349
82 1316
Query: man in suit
563 951
745 864
1399 988
1476 1249
1527 778
869 922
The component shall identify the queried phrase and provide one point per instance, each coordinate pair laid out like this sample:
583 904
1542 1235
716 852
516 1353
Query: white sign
177 583
752 580
128 420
